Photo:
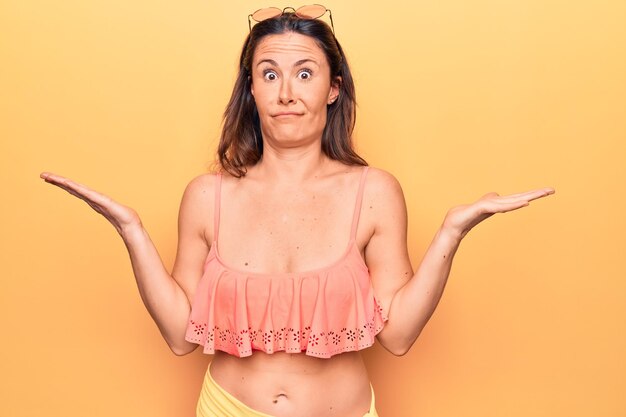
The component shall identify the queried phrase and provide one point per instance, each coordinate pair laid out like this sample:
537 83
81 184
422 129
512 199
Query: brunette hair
241 143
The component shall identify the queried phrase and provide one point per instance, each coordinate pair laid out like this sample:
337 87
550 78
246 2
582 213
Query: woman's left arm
410 303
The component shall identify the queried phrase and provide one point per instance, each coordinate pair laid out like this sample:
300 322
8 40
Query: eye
269 75
306 72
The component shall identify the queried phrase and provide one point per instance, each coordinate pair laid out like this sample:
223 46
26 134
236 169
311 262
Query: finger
63 181
49 176
503 207
69 186
66 183
538 191
77 189
527 196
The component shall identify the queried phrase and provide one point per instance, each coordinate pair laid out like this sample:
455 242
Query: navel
279 397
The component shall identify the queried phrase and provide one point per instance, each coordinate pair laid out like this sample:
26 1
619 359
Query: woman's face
291 87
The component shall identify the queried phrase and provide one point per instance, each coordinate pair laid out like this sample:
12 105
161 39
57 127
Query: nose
285 94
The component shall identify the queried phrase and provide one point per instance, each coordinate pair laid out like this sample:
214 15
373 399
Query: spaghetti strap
357 206
216 211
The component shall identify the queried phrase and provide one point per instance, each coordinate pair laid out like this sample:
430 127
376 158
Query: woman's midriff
296 385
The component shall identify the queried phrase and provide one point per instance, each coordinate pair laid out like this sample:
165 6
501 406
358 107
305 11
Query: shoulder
201 185
383 199
197 203
381 184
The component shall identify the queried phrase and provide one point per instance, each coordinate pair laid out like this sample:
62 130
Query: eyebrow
298 63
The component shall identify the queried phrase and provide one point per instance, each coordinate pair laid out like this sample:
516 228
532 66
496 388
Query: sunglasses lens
262 14
311 12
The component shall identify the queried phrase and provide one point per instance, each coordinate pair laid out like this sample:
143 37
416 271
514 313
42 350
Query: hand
461 219
121 217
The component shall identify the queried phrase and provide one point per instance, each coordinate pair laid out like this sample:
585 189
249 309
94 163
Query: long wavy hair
241 143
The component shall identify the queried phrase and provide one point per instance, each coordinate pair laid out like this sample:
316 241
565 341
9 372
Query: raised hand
461 219
120 216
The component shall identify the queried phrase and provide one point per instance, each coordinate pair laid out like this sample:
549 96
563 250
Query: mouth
287 114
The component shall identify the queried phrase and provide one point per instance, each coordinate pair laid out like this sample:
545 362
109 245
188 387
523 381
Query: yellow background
455 98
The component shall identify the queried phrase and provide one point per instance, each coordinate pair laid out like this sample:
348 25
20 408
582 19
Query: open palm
120 216
461 219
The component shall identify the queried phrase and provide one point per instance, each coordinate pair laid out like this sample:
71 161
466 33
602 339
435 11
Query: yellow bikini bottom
214 401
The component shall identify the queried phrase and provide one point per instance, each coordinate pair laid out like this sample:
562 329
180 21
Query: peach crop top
321 312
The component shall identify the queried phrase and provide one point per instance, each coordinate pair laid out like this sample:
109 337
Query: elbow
396 344
183 350
400 352
396 350
180 352
402 349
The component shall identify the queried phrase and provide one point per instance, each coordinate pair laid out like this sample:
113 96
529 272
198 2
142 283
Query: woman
312 262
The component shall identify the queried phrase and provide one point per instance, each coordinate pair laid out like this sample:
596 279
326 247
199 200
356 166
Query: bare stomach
296 385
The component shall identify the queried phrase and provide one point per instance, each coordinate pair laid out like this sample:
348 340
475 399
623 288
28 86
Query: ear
334 89
251 86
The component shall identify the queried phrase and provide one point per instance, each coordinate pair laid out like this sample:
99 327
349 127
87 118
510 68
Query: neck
290 166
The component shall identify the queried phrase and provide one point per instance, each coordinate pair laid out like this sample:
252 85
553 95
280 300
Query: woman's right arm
166 296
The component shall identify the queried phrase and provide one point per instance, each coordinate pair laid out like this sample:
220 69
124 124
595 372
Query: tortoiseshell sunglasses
312 11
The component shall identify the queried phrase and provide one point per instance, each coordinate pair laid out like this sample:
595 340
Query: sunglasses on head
313 11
